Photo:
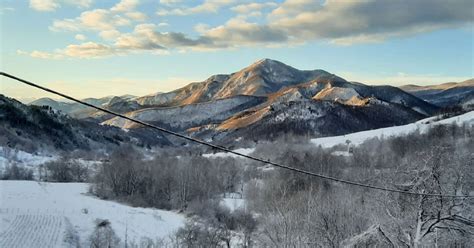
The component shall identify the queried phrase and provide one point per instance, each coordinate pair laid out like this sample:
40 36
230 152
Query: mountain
445 95
55 104
259 79
119 104
33 128
325 112
268 98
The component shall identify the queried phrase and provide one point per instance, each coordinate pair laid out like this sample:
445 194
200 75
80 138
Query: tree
419 218
103 235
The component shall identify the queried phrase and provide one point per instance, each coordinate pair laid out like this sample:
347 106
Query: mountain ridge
292 100
447 95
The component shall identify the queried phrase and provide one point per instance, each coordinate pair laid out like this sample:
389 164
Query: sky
96 48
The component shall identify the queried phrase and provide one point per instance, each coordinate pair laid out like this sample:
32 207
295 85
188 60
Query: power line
227 150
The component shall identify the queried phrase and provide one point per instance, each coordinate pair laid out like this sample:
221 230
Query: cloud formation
83 50
52 5
264 23
125 5
251 7
97 20
368 20
44 5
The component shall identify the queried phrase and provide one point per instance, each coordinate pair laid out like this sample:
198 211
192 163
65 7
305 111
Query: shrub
15 172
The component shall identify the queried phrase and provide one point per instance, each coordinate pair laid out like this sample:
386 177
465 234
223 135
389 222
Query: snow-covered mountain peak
336 94
270 64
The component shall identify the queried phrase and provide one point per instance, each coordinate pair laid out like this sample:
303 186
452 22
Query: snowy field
56 214
422 126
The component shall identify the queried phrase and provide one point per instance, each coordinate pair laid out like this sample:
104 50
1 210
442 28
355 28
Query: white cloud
52 5
146 37
84 50
111 34
97 19
80 37
44 5
125 5
251 7
40 54
239 32
294 7
45 55
136 16
88 50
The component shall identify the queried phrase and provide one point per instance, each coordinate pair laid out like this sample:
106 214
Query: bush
15 172
64 170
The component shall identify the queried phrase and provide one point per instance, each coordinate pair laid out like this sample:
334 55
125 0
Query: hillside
397 131
192 115
33 128
119 104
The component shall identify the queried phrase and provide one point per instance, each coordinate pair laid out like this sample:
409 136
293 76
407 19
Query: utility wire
227 150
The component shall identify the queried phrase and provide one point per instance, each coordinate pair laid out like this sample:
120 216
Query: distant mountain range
269 98
80 111
445 95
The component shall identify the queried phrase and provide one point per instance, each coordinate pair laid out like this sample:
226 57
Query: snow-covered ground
35 213
233 201
245 151
422 126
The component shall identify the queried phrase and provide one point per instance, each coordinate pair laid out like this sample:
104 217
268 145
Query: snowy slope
422 126
191 115
32 205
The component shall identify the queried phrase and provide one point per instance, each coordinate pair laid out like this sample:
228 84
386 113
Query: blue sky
92 48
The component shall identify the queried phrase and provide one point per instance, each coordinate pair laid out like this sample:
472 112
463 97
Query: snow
245 151
8 156
39 205
233 201
337 93
422 125
196 114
